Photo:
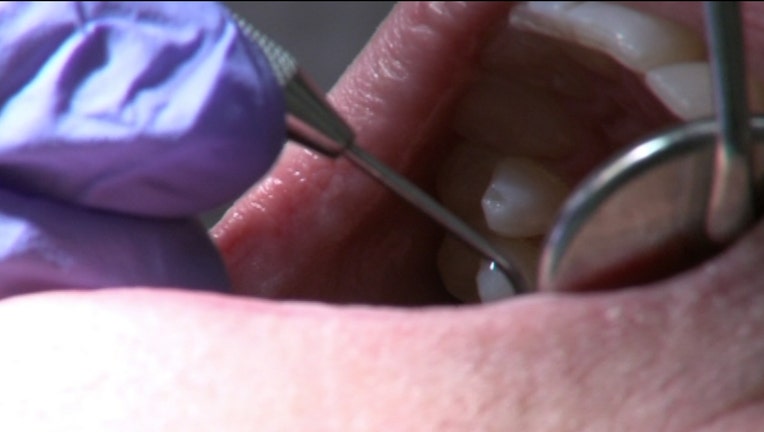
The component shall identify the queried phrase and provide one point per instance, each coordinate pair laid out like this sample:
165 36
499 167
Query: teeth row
636 40
501 179
671 57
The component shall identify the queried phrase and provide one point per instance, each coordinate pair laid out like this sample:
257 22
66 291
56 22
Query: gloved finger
147 108
52 245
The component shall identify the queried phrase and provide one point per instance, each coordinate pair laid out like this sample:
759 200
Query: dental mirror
672 200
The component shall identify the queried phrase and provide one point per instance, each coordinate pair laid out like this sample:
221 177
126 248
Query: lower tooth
522 199
491 283
471 280
638 41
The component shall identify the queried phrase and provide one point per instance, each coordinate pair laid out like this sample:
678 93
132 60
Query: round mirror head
640 217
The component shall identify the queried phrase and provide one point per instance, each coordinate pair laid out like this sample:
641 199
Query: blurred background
325 37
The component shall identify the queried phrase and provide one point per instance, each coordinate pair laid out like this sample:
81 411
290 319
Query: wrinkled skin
684 354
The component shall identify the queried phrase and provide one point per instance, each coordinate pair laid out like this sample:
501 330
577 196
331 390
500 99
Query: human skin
683 354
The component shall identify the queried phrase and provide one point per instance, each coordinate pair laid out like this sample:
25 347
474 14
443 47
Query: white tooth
522 199
491 283
471 280
684 88
637 40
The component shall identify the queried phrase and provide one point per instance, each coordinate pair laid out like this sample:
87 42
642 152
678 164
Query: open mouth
498 110
500 133
561 88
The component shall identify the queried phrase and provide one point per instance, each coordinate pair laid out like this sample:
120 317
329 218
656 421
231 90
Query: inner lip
381 244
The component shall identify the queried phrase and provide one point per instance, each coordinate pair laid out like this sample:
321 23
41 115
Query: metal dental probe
312 122
731 208
672 199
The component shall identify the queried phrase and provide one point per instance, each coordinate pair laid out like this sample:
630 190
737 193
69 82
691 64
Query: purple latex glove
46 244
158 110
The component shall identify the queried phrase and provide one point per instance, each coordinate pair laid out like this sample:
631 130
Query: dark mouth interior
606 98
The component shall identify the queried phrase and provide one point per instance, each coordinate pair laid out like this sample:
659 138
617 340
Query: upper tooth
522 199
685 88
637 40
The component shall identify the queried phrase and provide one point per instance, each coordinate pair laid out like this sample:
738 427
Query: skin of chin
683 355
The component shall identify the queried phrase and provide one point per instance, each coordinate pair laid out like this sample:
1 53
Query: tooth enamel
685 88
492 285
470 279
522 199
637 40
